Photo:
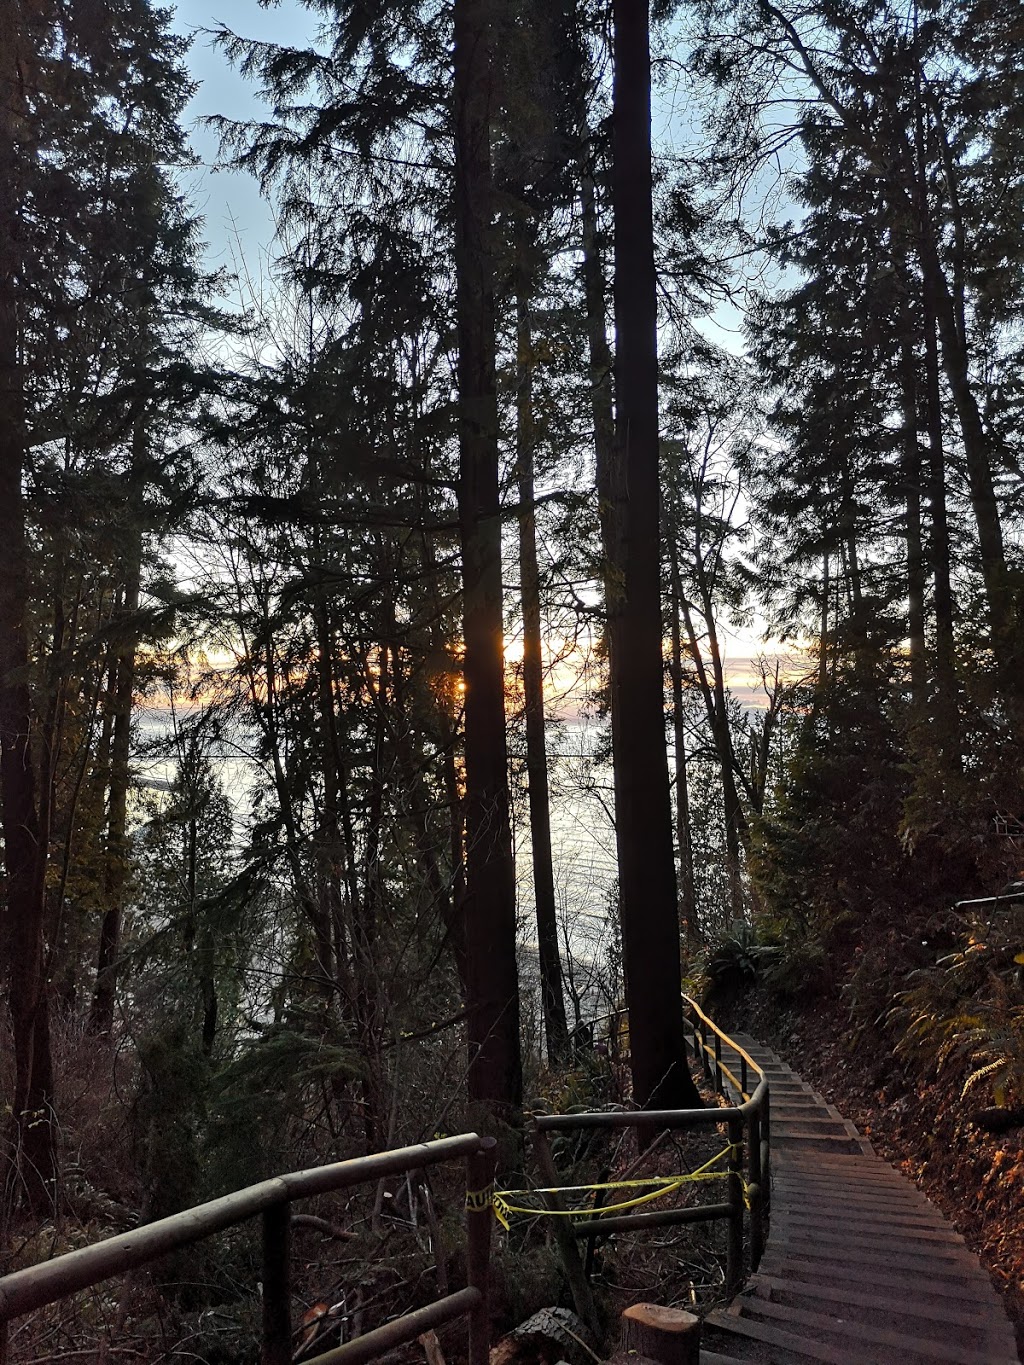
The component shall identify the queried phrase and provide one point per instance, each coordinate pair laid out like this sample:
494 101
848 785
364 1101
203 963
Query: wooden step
790 1195
879 1184
864 1337
863 1167
799 1104
786 1134
814 1118
859 1268
941 1282
933 1316
789 1348
866 1216
875 1227
894 1252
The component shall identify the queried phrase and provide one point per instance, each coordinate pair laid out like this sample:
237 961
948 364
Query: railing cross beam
25 1290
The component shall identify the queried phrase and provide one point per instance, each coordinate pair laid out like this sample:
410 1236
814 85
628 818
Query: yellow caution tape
479 1200
666 1184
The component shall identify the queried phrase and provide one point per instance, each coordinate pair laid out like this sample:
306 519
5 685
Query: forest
619 446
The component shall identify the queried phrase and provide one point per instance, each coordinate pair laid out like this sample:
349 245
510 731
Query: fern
969 1008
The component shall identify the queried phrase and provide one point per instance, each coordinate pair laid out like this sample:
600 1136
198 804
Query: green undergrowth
942 999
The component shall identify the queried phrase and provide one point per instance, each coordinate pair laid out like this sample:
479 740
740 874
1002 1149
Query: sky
234 213
238 223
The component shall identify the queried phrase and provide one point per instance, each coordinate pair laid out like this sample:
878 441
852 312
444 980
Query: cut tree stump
668 1335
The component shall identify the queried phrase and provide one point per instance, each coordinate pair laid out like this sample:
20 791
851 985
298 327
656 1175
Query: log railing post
734 1246
277 1306
479 1217
719 1087
579 1286
766 1154
756 1189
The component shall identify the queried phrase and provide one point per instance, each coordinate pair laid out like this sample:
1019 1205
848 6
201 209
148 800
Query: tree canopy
583 555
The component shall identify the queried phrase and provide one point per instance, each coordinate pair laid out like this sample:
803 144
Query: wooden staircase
859 1268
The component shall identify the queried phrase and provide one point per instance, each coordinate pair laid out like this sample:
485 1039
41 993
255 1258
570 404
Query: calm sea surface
583 838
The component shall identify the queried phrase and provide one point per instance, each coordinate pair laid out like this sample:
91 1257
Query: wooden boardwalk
859 1269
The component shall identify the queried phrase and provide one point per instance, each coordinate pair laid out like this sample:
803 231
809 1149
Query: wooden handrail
748 1124
749 1134
25 1290
745 1056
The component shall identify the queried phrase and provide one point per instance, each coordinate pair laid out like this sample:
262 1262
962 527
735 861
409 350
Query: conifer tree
495 1076
643 821
92 234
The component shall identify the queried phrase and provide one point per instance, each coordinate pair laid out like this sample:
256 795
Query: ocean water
582 830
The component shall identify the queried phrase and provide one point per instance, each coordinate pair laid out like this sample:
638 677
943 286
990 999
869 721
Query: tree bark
684 844
667 1336
552 993
946 307
939 548
101 1013
998 588
608 470
643 813
368 910
332 969
823 629
495 1068
451 895
35 1160
910 469
737 828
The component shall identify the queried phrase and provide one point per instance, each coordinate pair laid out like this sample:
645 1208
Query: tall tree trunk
910 469
101 1013
714 692
368 909
607 468
823 631
684 844
643 812
851 553
452 895
25 841
552 995
943 312
609 471
998 588
495 1067
737 829
939 549
332 972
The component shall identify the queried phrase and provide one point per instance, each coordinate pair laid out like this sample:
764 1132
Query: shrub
968 1009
